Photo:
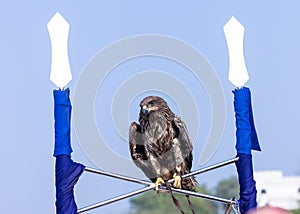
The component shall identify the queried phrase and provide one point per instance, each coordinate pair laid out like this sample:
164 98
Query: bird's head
151 104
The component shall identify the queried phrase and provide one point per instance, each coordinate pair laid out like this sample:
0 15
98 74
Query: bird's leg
177 178
157 167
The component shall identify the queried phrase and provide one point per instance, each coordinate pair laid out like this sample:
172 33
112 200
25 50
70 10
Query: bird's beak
145 109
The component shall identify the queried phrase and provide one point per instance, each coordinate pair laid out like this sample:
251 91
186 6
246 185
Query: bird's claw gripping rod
151 186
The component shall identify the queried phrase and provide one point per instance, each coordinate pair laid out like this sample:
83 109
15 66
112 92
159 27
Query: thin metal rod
208 197
100 204
209 168
122 177
151 186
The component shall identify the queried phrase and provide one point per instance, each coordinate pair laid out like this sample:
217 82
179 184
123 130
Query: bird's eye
151 103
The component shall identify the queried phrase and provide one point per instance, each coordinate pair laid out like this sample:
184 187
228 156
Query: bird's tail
189 184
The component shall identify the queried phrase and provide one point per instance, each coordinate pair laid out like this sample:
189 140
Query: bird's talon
158 182
177 181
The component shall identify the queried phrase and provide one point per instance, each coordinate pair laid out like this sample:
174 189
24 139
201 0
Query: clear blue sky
271 47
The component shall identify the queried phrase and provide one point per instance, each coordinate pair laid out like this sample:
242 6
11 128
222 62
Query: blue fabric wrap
62 117
246 140
67 172
246 137
244 167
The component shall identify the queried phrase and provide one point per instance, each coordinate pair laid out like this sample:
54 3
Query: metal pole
151 187
208 197
122 177
209 168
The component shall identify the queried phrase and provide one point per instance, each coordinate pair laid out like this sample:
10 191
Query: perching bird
160 145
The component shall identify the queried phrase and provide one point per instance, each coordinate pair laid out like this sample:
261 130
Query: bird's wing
185 144
138 151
